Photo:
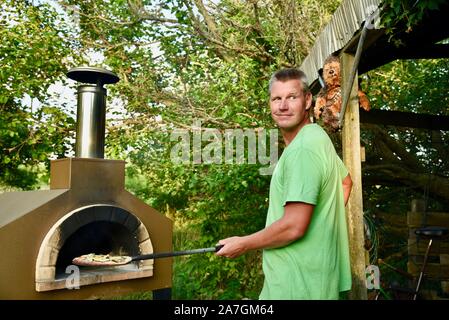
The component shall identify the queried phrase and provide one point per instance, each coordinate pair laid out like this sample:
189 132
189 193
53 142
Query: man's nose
284 105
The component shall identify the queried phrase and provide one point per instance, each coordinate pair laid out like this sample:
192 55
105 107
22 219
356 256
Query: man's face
289 106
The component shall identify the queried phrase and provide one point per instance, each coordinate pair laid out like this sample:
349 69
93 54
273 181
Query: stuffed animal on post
329 99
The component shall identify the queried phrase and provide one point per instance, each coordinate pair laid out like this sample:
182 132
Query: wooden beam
405 119
436 51
351 158
352 75
371 37
383 55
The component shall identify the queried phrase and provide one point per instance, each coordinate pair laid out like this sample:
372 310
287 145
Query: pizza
98 260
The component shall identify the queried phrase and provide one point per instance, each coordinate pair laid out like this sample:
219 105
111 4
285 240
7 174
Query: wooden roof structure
342 28
343 31
342 37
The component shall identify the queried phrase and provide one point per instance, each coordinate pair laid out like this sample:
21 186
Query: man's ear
308 101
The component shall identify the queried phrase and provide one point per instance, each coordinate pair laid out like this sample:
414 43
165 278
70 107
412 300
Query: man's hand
233 247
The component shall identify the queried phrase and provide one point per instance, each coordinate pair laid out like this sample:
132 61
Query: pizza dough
93 259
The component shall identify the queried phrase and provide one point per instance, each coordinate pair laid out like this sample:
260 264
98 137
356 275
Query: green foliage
403 85
27 140
404 15
33 44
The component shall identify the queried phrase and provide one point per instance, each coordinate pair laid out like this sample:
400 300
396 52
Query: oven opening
100 237
98 229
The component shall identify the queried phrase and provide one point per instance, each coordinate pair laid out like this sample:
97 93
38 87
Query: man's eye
292 97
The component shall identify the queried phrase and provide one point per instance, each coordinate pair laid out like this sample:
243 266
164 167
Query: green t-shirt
317 265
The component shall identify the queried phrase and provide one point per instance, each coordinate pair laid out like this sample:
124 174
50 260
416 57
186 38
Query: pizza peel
92 260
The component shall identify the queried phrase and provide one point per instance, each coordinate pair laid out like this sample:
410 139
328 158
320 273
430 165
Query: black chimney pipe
91 110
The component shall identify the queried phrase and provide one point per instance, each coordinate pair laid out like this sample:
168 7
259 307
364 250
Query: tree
33 46
414 158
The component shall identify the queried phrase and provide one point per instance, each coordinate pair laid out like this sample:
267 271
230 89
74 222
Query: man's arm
347 187
292 226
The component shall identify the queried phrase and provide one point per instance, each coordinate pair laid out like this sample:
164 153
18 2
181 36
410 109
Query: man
305 241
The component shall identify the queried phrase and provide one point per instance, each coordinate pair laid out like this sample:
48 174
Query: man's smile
283 115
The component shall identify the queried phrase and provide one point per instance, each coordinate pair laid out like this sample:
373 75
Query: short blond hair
289 74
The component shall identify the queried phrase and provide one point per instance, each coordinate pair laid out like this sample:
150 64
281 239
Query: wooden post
351 158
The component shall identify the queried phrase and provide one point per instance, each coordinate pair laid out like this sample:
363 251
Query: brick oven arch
46 274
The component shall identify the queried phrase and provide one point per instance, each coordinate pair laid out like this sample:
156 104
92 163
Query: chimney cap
98 76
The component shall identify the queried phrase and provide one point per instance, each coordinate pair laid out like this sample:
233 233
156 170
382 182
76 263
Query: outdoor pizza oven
86 210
